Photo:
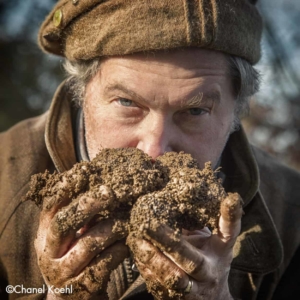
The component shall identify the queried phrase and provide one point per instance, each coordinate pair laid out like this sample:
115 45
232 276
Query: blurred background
29 78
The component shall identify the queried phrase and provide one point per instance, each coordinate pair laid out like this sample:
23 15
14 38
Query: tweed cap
85 29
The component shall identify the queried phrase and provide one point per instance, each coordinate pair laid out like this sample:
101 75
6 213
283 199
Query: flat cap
85 29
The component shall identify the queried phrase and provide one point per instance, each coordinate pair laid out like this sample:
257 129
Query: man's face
177 101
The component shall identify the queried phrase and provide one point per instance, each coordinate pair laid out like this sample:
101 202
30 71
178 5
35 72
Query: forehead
186 61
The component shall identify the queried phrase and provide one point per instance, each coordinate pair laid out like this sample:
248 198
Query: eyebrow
196 100
201 98
120 87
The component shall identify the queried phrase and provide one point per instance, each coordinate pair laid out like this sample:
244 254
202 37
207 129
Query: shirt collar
80 140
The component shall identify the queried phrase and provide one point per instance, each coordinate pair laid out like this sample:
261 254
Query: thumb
230 219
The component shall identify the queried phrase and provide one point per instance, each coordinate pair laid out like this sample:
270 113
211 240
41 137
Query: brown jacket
266 252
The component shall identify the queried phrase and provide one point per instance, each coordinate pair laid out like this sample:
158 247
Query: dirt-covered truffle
190 200
124 173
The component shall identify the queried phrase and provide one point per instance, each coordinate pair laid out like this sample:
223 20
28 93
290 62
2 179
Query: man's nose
156 136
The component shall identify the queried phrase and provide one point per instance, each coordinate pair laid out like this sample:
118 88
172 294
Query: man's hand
72 248
168 261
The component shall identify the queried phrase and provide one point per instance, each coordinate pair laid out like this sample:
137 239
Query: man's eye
195 111
125 102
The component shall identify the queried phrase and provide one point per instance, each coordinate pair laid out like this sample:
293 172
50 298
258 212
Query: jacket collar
240 167
59 132
258 249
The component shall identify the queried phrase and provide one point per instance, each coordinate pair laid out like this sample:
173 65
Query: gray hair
79 74
245 82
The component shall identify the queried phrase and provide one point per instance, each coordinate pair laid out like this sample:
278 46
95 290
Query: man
158 76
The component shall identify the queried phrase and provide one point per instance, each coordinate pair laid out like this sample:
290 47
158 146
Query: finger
204 231
96 275
61 188
196 241
154 266
230 220
70 219
51 202
197 238
91 243
181 252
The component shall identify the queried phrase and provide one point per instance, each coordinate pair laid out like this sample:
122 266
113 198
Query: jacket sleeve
22 154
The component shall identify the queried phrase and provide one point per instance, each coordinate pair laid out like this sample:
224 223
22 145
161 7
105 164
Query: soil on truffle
137 192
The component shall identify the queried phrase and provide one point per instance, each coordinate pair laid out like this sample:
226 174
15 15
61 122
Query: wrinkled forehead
184 59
